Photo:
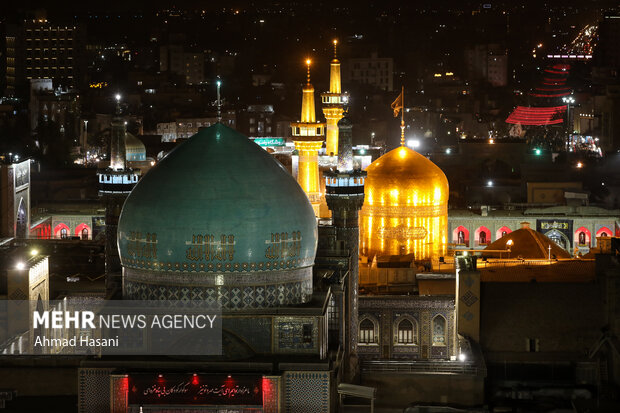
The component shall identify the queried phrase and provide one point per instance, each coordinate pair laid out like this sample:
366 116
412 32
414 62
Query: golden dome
406 207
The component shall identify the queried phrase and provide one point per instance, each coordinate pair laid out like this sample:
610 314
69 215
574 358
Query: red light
195 380
125 383
267 387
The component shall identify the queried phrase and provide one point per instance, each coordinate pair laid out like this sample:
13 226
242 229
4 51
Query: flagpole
402 117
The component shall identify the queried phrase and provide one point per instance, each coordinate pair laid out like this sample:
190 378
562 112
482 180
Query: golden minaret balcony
333 105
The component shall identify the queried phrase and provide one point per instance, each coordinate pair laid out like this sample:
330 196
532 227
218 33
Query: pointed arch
582 237
368 332
83 231
604 232
482 235
61 231
502 232
438 329
406 330
460 236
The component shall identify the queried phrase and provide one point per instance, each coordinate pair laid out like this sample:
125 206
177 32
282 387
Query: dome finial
335 49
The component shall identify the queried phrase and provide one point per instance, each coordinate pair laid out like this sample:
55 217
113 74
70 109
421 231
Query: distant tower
345 197
333 104
308 138
115 184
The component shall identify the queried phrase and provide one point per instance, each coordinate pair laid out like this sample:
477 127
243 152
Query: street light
569 100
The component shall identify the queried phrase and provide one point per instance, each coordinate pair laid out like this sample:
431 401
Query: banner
197 389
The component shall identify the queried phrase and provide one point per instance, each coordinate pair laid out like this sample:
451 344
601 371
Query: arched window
439 331
84 233
406 332
604 232
501 232
483 235
460 236
582 237
63 233
367 332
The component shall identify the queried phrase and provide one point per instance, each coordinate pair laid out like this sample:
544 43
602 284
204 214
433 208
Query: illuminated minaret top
333 104
308 138
118 131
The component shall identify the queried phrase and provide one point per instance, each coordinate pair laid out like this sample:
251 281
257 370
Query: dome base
232 290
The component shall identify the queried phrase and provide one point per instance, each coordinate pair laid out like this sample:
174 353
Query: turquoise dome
217 203
134 148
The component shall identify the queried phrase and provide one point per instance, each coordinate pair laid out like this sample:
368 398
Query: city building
575 229
57 105
177 60
488 62
374 71
183 128
257 121
37 49
606 53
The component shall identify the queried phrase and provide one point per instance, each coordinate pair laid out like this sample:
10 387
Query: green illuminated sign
269 141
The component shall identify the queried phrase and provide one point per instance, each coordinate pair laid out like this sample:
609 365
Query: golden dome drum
406 207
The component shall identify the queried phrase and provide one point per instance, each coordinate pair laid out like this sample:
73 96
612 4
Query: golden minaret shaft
333 104
308 135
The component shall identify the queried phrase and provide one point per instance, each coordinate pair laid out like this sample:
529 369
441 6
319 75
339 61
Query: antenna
218 82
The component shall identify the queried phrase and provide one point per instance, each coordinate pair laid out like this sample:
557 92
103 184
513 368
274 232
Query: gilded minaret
333 104
308 136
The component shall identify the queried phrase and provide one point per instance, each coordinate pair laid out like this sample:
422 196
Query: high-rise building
487 62
607 53
37 49
308 136
333 103
374 70
177 60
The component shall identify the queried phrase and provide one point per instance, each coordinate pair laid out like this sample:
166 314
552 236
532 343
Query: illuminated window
334 314
407 332
367 332
85 233
63 233
439 331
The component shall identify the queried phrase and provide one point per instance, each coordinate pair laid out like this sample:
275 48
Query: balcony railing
423 367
